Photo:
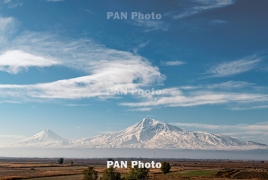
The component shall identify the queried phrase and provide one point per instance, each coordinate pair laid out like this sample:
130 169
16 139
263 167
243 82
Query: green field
203 173
70 177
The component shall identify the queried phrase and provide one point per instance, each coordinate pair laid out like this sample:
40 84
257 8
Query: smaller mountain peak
46 131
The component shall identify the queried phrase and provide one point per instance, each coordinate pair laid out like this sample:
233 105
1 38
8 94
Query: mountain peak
48 134
157 125
47 131
44 138
148 122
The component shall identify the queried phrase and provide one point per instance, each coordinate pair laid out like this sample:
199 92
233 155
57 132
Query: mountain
45 138
150 133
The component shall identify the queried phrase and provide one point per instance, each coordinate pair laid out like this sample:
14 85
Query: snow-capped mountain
150 133
45 138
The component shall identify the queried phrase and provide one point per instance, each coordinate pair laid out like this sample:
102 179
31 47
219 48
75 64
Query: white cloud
171 63
233 67
14 61
198 6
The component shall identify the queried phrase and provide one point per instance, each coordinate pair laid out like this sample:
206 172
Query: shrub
138 174
90 174
165 168
110 159
111 174
60 160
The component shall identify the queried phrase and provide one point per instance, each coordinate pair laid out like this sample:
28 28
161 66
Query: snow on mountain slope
150 133
45 138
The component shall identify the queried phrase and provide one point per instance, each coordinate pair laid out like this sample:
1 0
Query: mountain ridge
148 133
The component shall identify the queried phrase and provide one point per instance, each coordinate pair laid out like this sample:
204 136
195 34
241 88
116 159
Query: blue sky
65 66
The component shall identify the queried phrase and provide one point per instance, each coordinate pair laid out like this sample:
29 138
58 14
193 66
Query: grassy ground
70 177
202 173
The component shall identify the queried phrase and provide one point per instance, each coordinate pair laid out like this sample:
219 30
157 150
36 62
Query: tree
110 159
90 174
60 160
165 168
138 174
111 174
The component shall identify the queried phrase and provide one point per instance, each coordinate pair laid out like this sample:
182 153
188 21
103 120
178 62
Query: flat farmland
48 169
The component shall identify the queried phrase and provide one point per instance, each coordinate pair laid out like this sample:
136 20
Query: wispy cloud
89 11
54 0
248 127
106 68
150 25
242 131
174 97
233 67
172 63
217 21
230 85
11 136
264 69
141 109
78 105
5 24
192 7
105 76
249 108
140 46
